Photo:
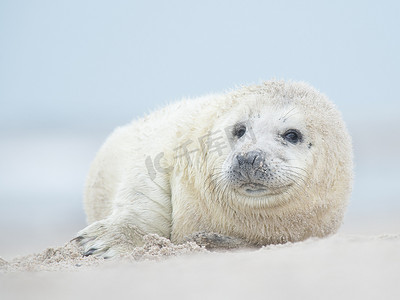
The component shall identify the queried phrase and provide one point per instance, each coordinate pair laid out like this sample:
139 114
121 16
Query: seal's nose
251 158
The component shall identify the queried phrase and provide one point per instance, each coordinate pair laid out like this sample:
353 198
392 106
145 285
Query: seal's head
271 147
289 148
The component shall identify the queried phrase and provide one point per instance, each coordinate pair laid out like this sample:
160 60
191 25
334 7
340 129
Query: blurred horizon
72 71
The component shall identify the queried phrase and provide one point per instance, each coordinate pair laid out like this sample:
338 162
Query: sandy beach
338 267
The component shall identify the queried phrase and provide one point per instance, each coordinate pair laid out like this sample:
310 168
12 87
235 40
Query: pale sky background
71 71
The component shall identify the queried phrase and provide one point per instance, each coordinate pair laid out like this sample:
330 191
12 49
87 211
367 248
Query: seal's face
270 151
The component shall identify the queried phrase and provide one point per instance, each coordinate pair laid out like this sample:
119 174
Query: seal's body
265 164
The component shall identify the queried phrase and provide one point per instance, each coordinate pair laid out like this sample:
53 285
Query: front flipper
108 239
216 241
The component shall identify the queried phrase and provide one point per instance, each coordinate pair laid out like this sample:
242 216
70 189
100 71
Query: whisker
288 112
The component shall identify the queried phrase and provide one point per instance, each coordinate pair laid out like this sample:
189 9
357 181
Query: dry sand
69 256
338 267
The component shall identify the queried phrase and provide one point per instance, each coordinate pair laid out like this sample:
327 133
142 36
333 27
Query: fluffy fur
142 181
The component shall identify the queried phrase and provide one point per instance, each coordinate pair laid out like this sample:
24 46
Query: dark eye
240 131
293 136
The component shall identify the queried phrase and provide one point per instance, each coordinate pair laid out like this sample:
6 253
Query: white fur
128 194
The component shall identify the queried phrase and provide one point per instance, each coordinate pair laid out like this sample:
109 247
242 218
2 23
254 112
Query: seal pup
264 164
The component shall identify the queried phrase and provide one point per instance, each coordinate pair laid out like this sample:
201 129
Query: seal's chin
258 190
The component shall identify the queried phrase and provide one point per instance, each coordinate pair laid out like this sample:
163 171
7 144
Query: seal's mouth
253 187
258 190
253 190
